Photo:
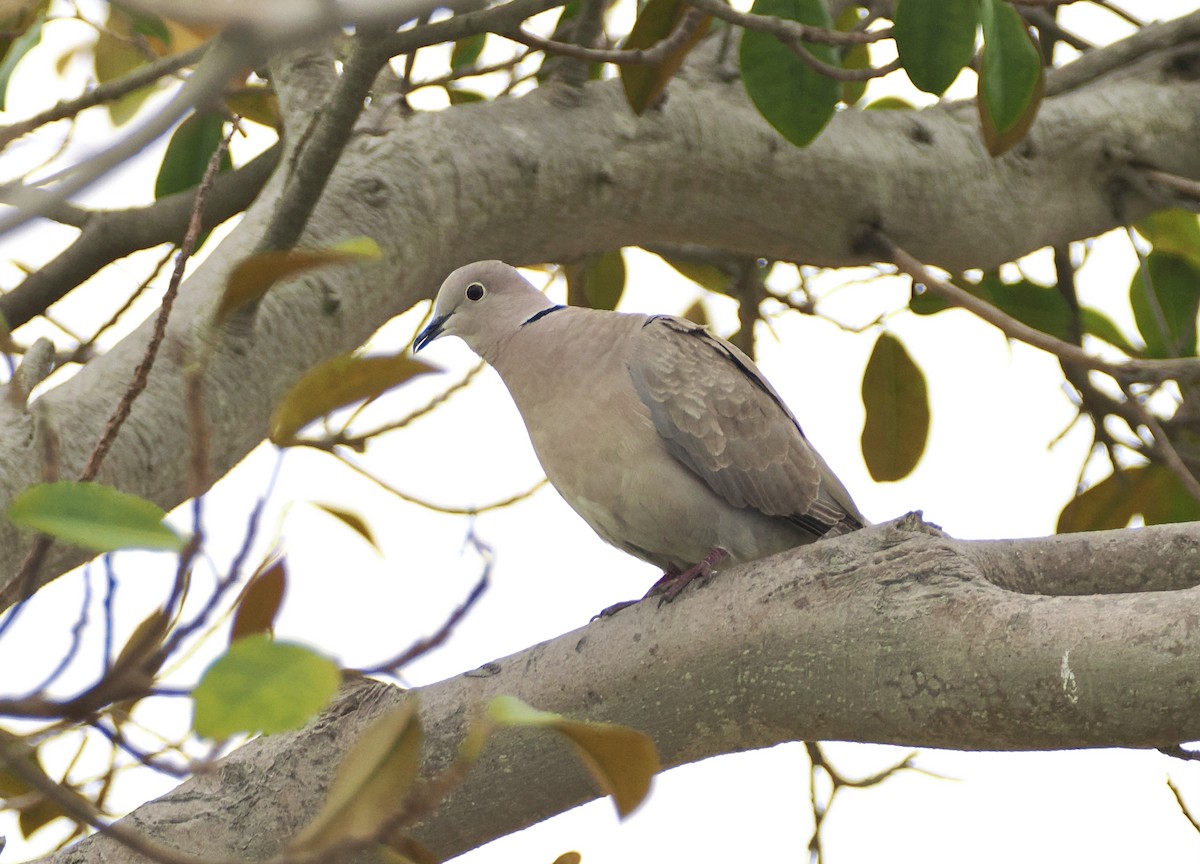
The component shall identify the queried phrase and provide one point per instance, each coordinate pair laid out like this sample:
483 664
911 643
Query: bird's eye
475 291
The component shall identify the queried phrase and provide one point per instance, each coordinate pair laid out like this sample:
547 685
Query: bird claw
670 588
672 582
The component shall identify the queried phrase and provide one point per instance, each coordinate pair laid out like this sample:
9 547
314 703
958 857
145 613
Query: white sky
988 472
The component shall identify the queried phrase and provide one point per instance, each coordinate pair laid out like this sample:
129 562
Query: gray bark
893 634
496 180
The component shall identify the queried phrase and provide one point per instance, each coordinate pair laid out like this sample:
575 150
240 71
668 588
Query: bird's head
482 303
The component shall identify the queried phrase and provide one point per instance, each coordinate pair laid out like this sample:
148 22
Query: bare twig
102 93
621 56
82 810
1162 443
1183 185
786 30
440 508
226 56
142 373
1183 808
358 442
1150 371
425 645
108 235
820 809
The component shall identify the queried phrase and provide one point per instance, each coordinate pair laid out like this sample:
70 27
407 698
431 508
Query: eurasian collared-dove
667 440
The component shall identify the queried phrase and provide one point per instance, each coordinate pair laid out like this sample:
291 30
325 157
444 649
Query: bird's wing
721 419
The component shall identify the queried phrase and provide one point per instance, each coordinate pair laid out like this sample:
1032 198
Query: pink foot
672 583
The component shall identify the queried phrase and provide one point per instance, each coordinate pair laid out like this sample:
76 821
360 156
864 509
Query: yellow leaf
352 521
371 782
254 276
621 760
337 382
140 648
257 104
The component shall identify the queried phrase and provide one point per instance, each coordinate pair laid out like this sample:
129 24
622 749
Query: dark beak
431 332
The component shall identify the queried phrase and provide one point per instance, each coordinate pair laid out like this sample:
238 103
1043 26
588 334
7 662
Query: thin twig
1162 443
142 373
1184 185
102 93
1149 371
785 29
82 810
358 442
425 645
224 58
621 56
440 508
1183 808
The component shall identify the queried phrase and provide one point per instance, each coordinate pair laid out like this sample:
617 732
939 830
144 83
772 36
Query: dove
665 438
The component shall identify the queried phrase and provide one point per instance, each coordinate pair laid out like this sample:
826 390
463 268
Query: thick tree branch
886 635
494 180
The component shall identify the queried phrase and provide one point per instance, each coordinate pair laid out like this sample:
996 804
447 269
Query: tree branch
884 635
440 189
112 234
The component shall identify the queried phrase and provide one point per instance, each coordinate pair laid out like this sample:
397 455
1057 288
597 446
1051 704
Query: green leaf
260 685
707 276
192 145
599 282
896 400
790 95
371 782
1040 307
260 600
1167 284
1151 491
31 35
888 103
1176 231
656 21
255 275
93 516
1101 326
337 382
116 55
458 96
935 40
1011 79
148 25
622 761
467 50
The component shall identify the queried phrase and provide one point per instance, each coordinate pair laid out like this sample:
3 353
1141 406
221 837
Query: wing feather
721 419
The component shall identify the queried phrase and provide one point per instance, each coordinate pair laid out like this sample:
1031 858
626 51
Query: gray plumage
667 440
